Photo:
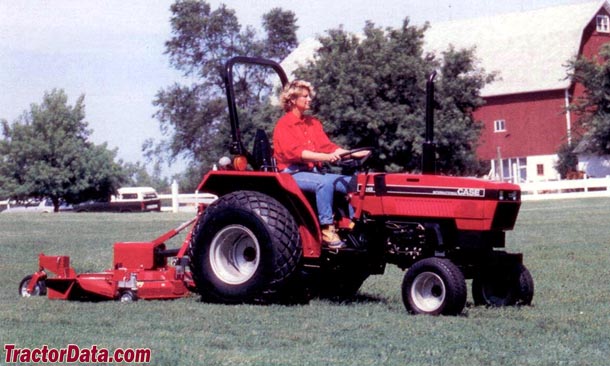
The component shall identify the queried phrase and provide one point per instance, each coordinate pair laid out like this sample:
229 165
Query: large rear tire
246 248
506 285
434 286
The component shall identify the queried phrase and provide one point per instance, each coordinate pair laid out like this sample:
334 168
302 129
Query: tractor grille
505 215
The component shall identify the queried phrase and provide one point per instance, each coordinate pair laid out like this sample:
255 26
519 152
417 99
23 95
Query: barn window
603 23
499 125
540 169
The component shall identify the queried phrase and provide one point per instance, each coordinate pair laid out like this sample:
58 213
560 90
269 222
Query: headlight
508 195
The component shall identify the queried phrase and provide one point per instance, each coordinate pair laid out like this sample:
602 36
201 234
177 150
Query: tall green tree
371 91
593 108
138 175
46 153
194 117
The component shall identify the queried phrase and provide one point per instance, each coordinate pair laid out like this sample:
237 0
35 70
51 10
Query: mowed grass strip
565 243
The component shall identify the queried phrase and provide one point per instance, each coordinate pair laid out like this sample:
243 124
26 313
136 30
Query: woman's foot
330 237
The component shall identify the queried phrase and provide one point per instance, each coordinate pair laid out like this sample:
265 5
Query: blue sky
112 51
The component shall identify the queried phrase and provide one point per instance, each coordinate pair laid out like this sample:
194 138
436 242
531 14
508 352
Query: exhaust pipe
429 148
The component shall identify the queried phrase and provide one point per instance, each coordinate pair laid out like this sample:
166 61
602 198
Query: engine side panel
474 204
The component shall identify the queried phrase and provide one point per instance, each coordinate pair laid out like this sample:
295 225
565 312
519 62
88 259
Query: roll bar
237 147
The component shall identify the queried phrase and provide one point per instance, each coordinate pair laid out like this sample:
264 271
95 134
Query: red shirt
292 135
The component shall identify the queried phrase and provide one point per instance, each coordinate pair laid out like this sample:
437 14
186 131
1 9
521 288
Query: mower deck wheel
127 296
39 290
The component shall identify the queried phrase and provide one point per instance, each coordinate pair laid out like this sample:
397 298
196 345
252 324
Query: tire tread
281 226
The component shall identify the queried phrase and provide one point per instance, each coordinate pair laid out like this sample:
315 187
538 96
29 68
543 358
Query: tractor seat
262 153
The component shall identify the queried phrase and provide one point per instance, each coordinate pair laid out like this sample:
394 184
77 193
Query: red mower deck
140 270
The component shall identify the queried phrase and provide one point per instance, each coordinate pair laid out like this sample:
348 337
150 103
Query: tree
138 175
567 160
194 117
593 108
46 153
370 90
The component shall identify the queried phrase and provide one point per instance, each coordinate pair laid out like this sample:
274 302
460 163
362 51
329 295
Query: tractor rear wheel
505 285
434 286
246 248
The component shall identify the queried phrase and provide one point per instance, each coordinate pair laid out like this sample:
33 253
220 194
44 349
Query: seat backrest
262 153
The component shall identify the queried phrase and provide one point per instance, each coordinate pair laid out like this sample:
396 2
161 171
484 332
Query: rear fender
280 186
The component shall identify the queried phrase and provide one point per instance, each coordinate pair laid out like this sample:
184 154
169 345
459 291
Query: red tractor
261 241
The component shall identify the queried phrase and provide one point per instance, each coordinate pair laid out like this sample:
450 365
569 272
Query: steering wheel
349 161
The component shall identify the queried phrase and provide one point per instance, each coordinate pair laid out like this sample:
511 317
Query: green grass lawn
566 246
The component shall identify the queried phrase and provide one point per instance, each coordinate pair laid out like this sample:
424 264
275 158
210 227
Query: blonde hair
292 91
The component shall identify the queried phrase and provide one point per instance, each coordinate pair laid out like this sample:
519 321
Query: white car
44 206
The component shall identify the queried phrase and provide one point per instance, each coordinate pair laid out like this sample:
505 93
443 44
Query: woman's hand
332 157
335 156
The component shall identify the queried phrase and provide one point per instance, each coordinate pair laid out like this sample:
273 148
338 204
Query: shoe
331 239
337 245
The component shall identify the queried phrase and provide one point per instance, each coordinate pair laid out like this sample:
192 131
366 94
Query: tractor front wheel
246 248
505 285
434 286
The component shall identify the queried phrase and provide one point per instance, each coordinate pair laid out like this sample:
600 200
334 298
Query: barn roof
528 50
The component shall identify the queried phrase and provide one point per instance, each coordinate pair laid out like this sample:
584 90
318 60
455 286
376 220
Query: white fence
559 189
184 202
532 191
177 202
577 188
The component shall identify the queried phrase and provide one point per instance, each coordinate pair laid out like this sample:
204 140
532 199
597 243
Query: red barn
525 115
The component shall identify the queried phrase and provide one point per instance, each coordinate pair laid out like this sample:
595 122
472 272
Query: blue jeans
324 186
